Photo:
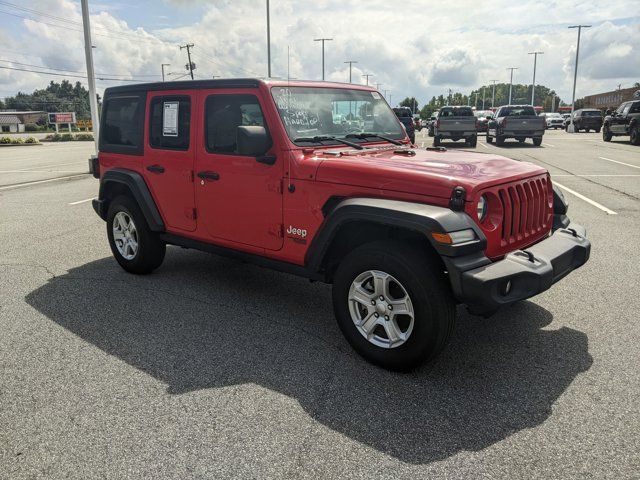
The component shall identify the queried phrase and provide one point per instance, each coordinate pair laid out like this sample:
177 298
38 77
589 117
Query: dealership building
14 122
611 100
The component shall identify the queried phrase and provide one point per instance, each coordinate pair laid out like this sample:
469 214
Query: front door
618 122
169 156
238 198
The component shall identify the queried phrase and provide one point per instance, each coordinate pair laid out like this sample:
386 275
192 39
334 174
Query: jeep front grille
525 207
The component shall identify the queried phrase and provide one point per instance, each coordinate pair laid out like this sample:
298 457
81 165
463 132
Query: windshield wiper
322 138
364 136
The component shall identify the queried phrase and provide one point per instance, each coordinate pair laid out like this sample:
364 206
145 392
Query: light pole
378 85
322 40
367 75
268 42
533 84
493 94
164 65
483 92
350 62
88 52
511 82
571 129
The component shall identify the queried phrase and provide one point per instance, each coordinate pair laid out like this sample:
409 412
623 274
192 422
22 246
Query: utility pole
571 128
322 40
164 65
268 42
367 75
493 94
511 82
533 84
88 53
475 104
350 62
378 85
483 92
190 65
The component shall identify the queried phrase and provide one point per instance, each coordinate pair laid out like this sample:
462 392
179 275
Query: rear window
456 112
122 121
402 112
591 113
518 112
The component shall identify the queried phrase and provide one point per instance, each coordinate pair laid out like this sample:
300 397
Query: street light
350 62
367 75
533 85
571 128
511 82
322 40
91 80
493 94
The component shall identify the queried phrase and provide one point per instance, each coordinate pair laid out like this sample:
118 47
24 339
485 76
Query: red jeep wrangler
320 180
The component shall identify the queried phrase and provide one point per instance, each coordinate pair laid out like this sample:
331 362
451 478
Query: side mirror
253 141
607 112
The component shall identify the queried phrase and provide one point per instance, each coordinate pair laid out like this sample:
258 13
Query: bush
84 137
17 141
31 127
5 140
31 140
66 137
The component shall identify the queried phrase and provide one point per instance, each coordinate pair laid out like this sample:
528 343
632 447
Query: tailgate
457 124
524 123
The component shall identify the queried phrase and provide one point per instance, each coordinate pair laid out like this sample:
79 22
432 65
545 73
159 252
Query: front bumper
485 286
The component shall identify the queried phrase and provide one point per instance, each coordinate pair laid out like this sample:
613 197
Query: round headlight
481 208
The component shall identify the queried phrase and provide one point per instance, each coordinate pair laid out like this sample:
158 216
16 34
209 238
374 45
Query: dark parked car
585 119
431 123
516 121
624 121
482 119
406 118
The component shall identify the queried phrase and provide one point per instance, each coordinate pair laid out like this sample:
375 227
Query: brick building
612 99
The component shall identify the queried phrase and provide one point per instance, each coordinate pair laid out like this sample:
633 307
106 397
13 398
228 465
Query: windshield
591 113
309 112
553 115
518 112
483 113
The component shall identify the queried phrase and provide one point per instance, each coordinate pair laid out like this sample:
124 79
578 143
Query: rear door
619 121
169 156
239 199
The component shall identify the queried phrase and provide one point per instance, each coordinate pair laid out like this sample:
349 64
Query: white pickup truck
455 123
516 121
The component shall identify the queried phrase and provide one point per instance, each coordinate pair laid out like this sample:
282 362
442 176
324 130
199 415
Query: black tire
522 140
424 281
597 130
151 249
430 132
489 138
537 141
436 141
472 141
499 140
634 135
412 137
606 134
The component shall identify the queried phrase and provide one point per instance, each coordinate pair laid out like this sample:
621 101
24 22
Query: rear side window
591 113
456 112
122 128
635 107
224 114
523 111
169 122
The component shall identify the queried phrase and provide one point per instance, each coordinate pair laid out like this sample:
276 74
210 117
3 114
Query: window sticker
170 119
376 95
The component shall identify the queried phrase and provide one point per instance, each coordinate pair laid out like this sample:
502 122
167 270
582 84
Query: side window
122 128
635 108
169 122
621 108
224 114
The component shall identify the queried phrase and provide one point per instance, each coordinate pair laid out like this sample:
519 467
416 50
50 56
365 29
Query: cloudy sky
413 47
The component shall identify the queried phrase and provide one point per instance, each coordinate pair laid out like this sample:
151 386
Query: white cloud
418 49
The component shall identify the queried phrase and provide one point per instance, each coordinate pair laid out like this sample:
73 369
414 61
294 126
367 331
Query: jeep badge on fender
402 234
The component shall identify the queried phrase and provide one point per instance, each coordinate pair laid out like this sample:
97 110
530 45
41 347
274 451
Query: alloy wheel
125 235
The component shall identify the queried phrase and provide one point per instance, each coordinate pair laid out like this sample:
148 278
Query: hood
433 173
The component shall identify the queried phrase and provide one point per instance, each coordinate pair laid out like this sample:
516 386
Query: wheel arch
119 181
353 222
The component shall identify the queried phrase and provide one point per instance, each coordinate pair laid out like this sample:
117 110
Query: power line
69 75
74 71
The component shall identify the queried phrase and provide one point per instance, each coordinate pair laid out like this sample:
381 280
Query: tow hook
527 254
572 231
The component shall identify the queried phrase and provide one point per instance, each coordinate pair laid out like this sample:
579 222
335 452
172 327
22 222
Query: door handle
208 175
156 168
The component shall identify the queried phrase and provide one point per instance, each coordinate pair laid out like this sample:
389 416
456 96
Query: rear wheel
597 130
135 247
606 133
634 135
522 140
393 304
489 138
537 141
436 141
472 141
499 140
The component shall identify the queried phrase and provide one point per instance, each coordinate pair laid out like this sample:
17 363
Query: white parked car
554 120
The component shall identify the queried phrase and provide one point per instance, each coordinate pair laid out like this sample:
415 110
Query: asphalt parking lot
211 368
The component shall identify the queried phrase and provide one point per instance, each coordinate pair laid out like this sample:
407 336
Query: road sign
86 124
62 117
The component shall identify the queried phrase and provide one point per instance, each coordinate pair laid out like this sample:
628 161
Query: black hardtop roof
185 84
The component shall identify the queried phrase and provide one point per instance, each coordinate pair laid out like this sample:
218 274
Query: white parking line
28 184
588 200
481 143
548 145
81 201
38 171
621 163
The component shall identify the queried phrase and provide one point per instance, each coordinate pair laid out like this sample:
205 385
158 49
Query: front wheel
499 140
597 130
537 141
393 304
135 247
634 135
606 134
489 138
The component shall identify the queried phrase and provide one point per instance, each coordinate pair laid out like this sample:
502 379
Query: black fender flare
140 191
418 217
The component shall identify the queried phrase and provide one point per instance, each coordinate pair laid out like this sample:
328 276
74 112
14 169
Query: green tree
411 103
